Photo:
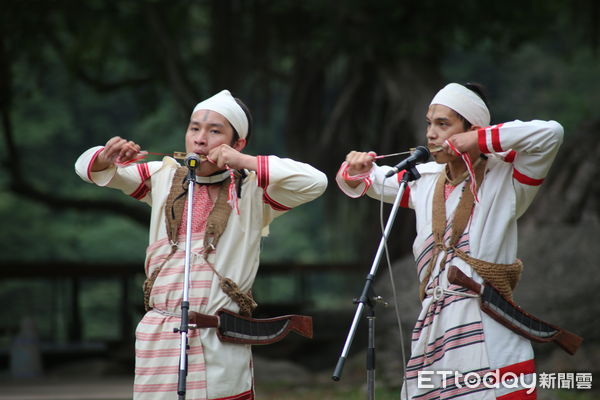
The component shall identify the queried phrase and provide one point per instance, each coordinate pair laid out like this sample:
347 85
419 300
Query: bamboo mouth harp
180 155
434 149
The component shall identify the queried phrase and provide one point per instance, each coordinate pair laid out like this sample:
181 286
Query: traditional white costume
216 370
452 333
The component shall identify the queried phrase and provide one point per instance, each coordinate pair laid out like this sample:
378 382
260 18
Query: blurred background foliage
321 78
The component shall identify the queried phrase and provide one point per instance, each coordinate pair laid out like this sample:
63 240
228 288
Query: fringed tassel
232 198
469 164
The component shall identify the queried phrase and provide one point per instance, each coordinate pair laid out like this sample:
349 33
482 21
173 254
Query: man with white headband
237 197
467 202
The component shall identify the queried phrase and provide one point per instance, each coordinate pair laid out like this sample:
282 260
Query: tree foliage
322 78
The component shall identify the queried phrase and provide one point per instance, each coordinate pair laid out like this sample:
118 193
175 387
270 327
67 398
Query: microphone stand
185 303
367 297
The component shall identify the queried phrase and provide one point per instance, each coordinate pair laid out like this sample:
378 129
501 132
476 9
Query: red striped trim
510 157
263 171
522 368
174 352
526 180
496 138
144 171
519 395
249 395
89 168
368 183
140 192
172 304
406 194
167 387
482 141
274 205
156 336
194 284
169 369
441 353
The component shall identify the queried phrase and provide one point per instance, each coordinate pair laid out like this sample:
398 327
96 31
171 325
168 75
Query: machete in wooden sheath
506 312
235 328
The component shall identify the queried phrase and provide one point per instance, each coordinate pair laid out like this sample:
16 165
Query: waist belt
513 317
235 328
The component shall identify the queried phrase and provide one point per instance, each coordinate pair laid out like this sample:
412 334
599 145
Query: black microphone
420 155
192 160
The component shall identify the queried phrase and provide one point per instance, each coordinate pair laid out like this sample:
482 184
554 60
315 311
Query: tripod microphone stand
191 160
367 297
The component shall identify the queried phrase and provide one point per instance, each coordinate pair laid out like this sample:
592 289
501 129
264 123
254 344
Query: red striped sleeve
406 194
526 180
144 171
510 157
368 183
263 182
482 141
274 205
89 168
491 134
496 139
263 171
142 190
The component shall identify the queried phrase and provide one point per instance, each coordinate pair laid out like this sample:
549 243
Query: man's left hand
465 142
225 156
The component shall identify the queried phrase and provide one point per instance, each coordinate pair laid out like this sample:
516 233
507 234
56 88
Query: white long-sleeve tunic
452 334
216 370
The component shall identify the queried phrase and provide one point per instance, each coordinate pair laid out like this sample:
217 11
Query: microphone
192 160
420 155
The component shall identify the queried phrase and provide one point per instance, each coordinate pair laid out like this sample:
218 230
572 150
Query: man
237 197
467 217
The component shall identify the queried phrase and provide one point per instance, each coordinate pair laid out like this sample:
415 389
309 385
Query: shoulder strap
174 206
439 220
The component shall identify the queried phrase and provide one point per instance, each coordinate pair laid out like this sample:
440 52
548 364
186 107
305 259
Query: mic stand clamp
367 297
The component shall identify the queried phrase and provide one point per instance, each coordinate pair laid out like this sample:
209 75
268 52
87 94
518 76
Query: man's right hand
359 163
116 150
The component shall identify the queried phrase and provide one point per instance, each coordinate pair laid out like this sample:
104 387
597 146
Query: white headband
465 102
224 103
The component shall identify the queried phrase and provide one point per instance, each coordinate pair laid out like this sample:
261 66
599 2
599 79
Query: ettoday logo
509 380
491 380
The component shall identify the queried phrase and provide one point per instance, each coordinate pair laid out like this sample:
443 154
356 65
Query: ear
240 144
475 128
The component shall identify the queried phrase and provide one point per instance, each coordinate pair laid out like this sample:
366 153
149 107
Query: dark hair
236 135
480 91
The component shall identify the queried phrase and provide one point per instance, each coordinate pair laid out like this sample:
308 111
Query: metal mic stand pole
367 299
185 303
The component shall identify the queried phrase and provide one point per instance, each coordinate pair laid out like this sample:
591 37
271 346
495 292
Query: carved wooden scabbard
506 312
235 328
